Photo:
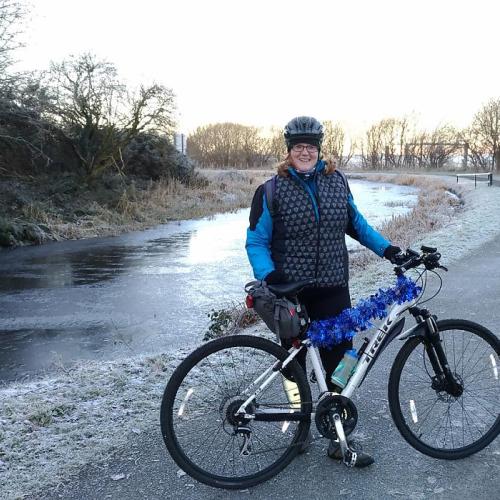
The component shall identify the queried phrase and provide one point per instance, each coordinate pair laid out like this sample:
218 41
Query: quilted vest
303 247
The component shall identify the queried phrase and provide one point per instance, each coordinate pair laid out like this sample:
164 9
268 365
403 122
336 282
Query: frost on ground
454 236
50 428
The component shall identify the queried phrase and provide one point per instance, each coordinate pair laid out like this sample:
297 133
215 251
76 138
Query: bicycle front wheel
430 419
200 401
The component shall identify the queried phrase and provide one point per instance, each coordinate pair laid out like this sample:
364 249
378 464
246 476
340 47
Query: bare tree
484 136
394 132
22 135
372 147
414 153
11 15
335 144
479 157
249 145
384 144
443 144
433 149
274 145
208 145
227 144
99 114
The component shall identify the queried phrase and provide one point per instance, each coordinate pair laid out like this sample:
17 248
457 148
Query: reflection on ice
211 244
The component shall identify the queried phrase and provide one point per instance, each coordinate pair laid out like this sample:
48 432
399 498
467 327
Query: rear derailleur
246 445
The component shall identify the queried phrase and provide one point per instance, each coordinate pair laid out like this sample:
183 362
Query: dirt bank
62 206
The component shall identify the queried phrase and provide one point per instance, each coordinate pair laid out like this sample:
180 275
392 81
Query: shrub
229 321
154 157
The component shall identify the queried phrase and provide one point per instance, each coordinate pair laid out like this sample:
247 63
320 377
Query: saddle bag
285 318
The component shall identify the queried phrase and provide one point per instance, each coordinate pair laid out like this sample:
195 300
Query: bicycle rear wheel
429 418
200 401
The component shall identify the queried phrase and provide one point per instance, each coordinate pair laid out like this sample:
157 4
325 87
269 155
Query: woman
303 235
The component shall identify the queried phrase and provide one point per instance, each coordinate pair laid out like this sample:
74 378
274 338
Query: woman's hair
282 167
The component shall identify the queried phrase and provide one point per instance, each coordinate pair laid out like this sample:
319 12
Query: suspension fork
437 357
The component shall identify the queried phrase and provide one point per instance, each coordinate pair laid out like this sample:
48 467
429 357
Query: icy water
142 292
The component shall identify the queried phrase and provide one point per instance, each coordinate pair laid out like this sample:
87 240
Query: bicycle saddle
294 288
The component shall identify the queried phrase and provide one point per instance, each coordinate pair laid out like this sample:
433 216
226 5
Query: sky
262 62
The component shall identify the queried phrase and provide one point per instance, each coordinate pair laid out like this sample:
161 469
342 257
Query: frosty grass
50 428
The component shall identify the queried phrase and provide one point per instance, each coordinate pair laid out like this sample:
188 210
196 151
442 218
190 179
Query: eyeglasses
298 148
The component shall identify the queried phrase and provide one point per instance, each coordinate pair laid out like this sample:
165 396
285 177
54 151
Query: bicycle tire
199 370
485 400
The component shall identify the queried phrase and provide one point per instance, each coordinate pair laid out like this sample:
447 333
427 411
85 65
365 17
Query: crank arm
348 456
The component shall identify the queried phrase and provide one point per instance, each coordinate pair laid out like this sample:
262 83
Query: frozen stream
137 293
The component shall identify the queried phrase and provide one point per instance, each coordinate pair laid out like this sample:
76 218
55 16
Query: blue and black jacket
260 232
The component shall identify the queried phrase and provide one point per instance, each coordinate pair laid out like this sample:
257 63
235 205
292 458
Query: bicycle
227 422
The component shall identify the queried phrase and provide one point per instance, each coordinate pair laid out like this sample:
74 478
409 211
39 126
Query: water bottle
345 368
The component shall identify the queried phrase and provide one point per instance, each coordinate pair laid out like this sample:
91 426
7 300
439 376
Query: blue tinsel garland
333 331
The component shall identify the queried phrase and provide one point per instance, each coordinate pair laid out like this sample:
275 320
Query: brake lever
443 268
405 266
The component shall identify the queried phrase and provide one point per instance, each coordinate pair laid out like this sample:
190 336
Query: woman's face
303 157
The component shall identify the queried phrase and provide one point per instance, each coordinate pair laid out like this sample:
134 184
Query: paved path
471 291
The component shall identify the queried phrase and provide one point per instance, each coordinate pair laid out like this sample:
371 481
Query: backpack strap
344 180
269 190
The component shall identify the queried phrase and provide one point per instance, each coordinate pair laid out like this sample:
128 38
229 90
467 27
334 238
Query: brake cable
439 288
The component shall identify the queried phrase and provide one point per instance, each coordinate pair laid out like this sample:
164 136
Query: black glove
390 253
275 278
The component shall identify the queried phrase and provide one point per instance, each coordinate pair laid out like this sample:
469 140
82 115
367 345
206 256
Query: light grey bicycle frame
368 355
356 378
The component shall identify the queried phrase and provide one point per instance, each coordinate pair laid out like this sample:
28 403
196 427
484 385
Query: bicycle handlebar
411 259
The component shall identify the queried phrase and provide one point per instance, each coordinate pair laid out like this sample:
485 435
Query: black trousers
323 303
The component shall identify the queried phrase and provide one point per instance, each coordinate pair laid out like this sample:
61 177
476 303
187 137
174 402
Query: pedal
350 457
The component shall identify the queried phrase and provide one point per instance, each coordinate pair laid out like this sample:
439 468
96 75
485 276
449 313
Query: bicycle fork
445 380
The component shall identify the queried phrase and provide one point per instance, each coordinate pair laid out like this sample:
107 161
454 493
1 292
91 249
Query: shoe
362 459
292 393
306 444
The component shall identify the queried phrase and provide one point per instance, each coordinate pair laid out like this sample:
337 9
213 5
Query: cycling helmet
303 129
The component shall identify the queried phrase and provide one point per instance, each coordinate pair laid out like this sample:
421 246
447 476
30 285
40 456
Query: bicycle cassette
328 405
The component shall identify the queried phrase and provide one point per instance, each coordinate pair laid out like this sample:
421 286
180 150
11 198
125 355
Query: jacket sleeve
359 229
259 235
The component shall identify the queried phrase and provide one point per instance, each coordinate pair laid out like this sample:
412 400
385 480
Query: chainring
330 404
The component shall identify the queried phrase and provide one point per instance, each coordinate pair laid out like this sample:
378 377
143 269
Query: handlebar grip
428 249
403 258
410 259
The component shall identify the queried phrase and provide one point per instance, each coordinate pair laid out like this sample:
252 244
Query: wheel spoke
439 421
208 434
478 403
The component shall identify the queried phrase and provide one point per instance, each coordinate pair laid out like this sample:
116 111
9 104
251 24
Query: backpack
270 189
285 318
